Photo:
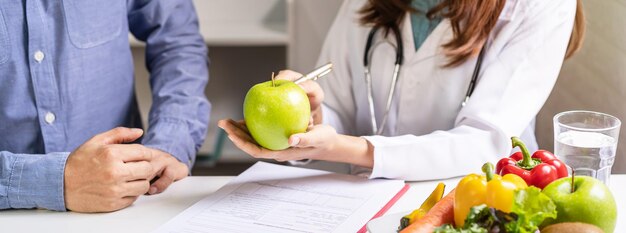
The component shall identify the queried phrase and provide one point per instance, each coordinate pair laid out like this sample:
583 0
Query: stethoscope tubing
367 58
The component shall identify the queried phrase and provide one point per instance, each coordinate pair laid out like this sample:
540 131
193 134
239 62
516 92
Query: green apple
274 110
591 202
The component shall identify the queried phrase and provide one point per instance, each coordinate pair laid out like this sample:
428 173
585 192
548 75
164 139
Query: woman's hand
320 142
313 91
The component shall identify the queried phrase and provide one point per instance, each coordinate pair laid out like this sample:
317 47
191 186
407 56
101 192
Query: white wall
595 79
313 19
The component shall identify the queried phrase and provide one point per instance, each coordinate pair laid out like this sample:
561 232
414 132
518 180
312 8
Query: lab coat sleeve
511 90
176 57
339 108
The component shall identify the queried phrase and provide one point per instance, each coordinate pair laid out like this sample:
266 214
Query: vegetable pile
510 199
529 209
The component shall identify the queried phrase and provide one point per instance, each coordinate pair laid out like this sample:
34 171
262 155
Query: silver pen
315 74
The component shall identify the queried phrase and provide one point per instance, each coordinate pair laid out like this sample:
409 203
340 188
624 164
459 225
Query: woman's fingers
233 128
241 138
243 141
241 124
316 136
314 92
247 146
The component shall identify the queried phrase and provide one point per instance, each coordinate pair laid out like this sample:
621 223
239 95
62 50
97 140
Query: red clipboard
387 206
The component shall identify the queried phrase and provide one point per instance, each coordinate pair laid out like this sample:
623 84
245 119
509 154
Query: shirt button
50 117
39 56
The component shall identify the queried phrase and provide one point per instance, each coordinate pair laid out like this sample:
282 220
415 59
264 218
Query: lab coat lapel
429 48
418 68
423 68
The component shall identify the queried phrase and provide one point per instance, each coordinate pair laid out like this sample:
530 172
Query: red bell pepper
539 170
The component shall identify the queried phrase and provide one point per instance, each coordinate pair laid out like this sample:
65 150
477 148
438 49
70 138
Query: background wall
312 20
594 79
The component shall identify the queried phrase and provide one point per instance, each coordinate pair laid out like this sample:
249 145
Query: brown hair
472 21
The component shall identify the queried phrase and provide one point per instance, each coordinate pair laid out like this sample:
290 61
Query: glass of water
587 141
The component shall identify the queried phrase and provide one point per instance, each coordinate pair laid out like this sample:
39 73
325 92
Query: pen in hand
315 74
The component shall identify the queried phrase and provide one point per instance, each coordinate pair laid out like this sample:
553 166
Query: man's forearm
176 57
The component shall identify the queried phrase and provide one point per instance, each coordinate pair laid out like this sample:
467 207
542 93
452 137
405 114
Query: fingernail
137 130
294 141
152 190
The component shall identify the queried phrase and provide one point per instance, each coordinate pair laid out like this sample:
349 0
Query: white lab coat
429 135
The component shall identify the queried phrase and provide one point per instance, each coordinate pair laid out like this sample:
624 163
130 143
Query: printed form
282 199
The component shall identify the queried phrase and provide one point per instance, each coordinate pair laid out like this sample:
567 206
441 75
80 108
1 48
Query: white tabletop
149 212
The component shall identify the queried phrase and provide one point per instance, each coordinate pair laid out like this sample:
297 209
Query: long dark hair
472 21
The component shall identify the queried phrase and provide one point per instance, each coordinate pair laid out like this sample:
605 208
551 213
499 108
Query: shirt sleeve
32 181
176 57
511 90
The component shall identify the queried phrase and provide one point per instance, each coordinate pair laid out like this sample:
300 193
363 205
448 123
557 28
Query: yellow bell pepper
432 199
494 190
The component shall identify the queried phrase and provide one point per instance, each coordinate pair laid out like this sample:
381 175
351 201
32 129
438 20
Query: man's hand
167 170
104 175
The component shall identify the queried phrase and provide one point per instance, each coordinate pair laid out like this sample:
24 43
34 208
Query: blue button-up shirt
66 74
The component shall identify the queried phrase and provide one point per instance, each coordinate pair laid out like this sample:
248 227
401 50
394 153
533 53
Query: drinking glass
587 141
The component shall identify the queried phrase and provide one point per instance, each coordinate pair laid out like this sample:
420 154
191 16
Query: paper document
274 198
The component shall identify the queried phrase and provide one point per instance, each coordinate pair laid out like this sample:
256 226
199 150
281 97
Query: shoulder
533 8
347 21
354 5
349 10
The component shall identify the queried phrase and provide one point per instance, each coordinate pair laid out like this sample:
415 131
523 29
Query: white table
149 212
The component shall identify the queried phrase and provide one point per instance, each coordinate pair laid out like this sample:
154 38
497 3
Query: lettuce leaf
450 229
532 208
480 219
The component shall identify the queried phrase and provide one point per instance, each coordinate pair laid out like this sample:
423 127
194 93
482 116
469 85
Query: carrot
442 213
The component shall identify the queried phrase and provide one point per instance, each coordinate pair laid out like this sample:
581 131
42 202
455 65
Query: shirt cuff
173 137
36 181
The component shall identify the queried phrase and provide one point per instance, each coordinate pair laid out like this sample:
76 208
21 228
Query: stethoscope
367 57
